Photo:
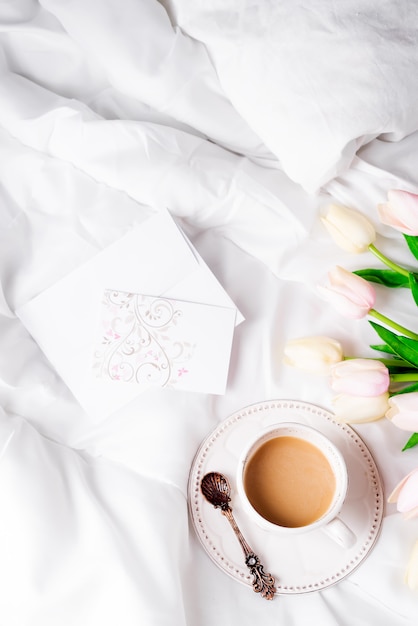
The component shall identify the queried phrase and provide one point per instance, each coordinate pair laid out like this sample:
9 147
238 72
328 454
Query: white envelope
154 258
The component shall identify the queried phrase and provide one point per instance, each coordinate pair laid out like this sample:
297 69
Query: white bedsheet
109 112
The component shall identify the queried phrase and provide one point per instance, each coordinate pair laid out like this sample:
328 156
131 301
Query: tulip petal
403 411
400 212
349 229
408 495
411 514
405 401
313 354
342 304
357 409
352 286
396 491
348 293
404 421
360 377
411 574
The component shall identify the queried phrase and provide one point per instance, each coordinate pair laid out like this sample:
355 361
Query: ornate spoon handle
263 583
216 489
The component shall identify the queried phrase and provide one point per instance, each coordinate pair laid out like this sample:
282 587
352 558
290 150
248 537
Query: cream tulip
411 574
359 409
349 229
313 354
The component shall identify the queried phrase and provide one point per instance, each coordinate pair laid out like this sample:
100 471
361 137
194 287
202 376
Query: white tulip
349 229
358 409
313 354
411 574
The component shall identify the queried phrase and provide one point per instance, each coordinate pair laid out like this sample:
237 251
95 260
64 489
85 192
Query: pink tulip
403 411
348 293
405 495
400 211
360 377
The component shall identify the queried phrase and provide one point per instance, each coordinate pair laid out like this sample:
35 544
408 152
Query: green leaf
413 283
412 441
395 363
388 278
412 244
405 347
382 347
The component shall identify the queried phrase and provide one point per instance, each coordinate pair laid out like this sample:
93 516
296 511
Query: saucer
300 563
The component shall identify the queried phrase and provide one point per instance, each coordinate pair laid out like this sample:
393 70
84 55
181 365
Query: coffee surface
289 482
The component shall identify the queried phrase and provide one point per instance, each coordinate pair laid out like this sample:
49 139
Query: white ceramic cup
329 520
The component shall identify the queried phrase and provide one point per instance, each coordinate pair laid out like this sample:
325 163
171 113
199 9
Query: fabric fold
146 58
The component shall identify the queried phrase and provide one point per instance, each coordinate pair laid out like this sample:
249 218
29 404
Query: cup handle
340 533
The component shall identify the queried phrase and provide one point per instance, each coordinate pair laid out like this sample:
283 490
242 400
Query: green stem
394 266
392 324
403 378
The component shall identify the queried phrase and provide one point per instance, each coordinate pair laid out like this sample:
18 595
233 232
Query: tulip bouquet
353 294
371 388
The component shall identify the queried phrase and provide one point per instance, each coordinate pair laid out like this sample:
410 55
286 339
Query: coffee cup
292 479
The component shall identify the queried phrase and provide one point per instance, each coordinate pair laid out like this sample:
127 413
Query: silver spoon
216 489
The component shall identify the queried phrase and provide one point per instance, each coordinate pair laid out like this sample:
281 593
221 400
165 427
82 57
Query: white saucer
302 563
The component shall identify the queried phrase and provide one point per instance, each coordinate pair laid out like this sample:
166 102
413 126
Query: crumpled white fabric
315 83
94 133
74 533
155 165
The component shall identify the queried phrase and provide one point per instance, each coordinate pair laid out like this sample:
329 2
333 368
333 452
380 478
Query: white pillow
316 80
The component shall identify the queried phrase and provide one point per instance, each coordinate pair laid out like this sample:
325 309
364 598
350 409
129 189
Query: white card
154 258
152 341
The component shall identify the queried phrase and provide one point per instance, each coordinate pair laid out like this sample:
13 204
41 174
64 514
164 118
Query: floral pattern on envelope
140 340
